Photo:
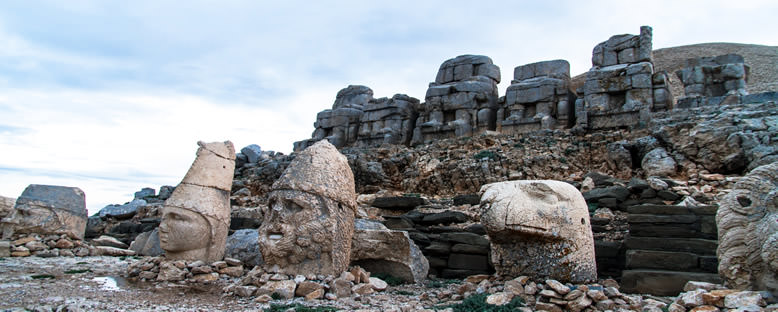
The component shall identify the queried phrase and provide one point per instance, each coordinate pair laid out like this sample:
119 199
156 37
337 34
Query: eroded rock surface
539 228
748 232
381 250
48 209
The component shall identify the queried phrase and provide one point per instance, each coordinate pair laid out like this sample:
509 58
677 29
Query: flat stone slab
661 283
697 246
662 260
672 210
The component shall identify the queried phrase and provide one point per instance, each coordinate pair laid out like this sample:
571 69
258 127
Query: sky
112 96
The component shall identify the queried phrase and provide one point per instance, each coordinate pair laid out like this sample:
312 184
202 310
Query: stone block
470 249
439 90
462 72
735 85
489 70
609 58
638 98
661 96
641 81
661 283
597 55
662 260
596 102
49 209
733 71
469 262
628 55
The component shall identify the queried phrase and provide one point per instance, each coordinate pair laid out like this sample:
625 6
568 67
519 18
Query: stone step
697 246
672 210
652 218
661 283
669 260
693 230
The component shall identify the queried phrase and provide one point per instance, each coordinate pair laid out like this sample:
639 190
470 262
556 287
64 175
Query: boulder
109 241
243 245
378 249
748 237
147 244
6 206
48 209
253 152
145 192
539 228
404 203
658 162
122 211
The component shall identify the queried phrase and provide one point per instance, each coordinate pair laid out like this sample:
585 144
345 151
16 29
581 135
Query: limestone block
628 55
733 71
309 226
380 250
244 246
540 229
637 99
6 206
353 96
597 55
621 42
658 162
559 69
196 217
609 58
462 72
645 45
121 211
640 68
747 231
48 209
489 70
641 81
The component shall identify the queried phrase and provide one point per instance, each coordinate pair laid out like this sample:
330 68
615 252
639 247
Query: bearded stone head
310 221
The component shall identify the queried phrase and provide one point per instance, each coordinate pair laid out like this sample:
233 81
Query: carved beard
304 232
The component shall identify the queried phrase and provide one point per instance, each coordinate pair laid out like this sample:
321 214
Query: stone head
310 219
196 217
539 228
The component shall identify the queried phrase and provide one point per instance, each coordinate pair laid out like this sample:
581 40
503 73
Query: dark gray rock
445 217
661 283
145 192
438 248
663 260
469 262
253 152
398 223
465 238
165 191
470 249
244 246
147 244
467 199
476 228
404 203
618 192
693 245
658 162
48 209
122 211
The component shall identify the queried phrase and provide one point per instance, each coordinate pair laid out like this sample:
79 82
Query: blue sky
112 96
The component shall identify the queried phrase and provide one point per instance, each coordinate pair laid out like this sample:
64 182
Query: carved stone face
183 230
304 233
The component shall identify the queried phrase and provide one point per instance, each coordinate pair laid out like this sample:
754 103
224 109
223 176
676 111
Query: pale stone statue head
747 222
196 217
310 221
539 228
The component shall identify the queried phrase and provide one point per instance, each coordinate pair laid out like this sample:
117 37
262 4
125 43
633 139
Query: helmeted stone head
196 217
310 219
539 228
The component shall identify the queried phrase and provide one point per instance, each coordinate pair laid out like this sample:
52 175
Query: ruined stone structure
196 217
713 80
388 120
340 125
310 222
748 232
47 209
539 228
539 97
461 102
618 90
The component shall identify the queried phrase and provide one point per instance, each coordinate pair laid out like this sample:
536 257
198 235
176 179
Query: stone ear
200 143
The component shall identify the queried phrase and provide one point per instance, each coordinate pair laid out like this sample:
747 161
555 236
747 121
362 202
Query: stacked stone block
461 102
618 91
388 120
340 125
713 80
669 246
539 97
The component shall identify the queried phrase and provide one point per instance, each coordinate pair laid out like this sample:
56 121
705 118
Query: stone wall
461 102
539 97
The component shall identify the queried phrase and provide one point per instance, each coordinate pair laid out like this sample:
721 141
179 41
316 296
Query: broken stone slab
380 250
122 212
404 203
48 209
105 240
147 244
243 245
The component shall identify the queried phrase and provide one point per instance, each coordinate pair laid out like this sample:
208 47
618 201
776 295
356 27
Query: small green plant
77 271
485 154
478 303
82 262
300 308
441 283
389 279
412 195
275 296
563 160
42 276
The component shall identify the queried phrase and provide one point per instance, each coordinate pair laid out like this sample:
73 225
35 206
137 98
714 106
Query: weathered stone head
196 217
539 228
48 209
310 222
747 221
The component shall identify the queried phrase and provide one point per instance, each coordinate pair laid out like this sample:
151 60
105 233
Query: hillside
763 61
